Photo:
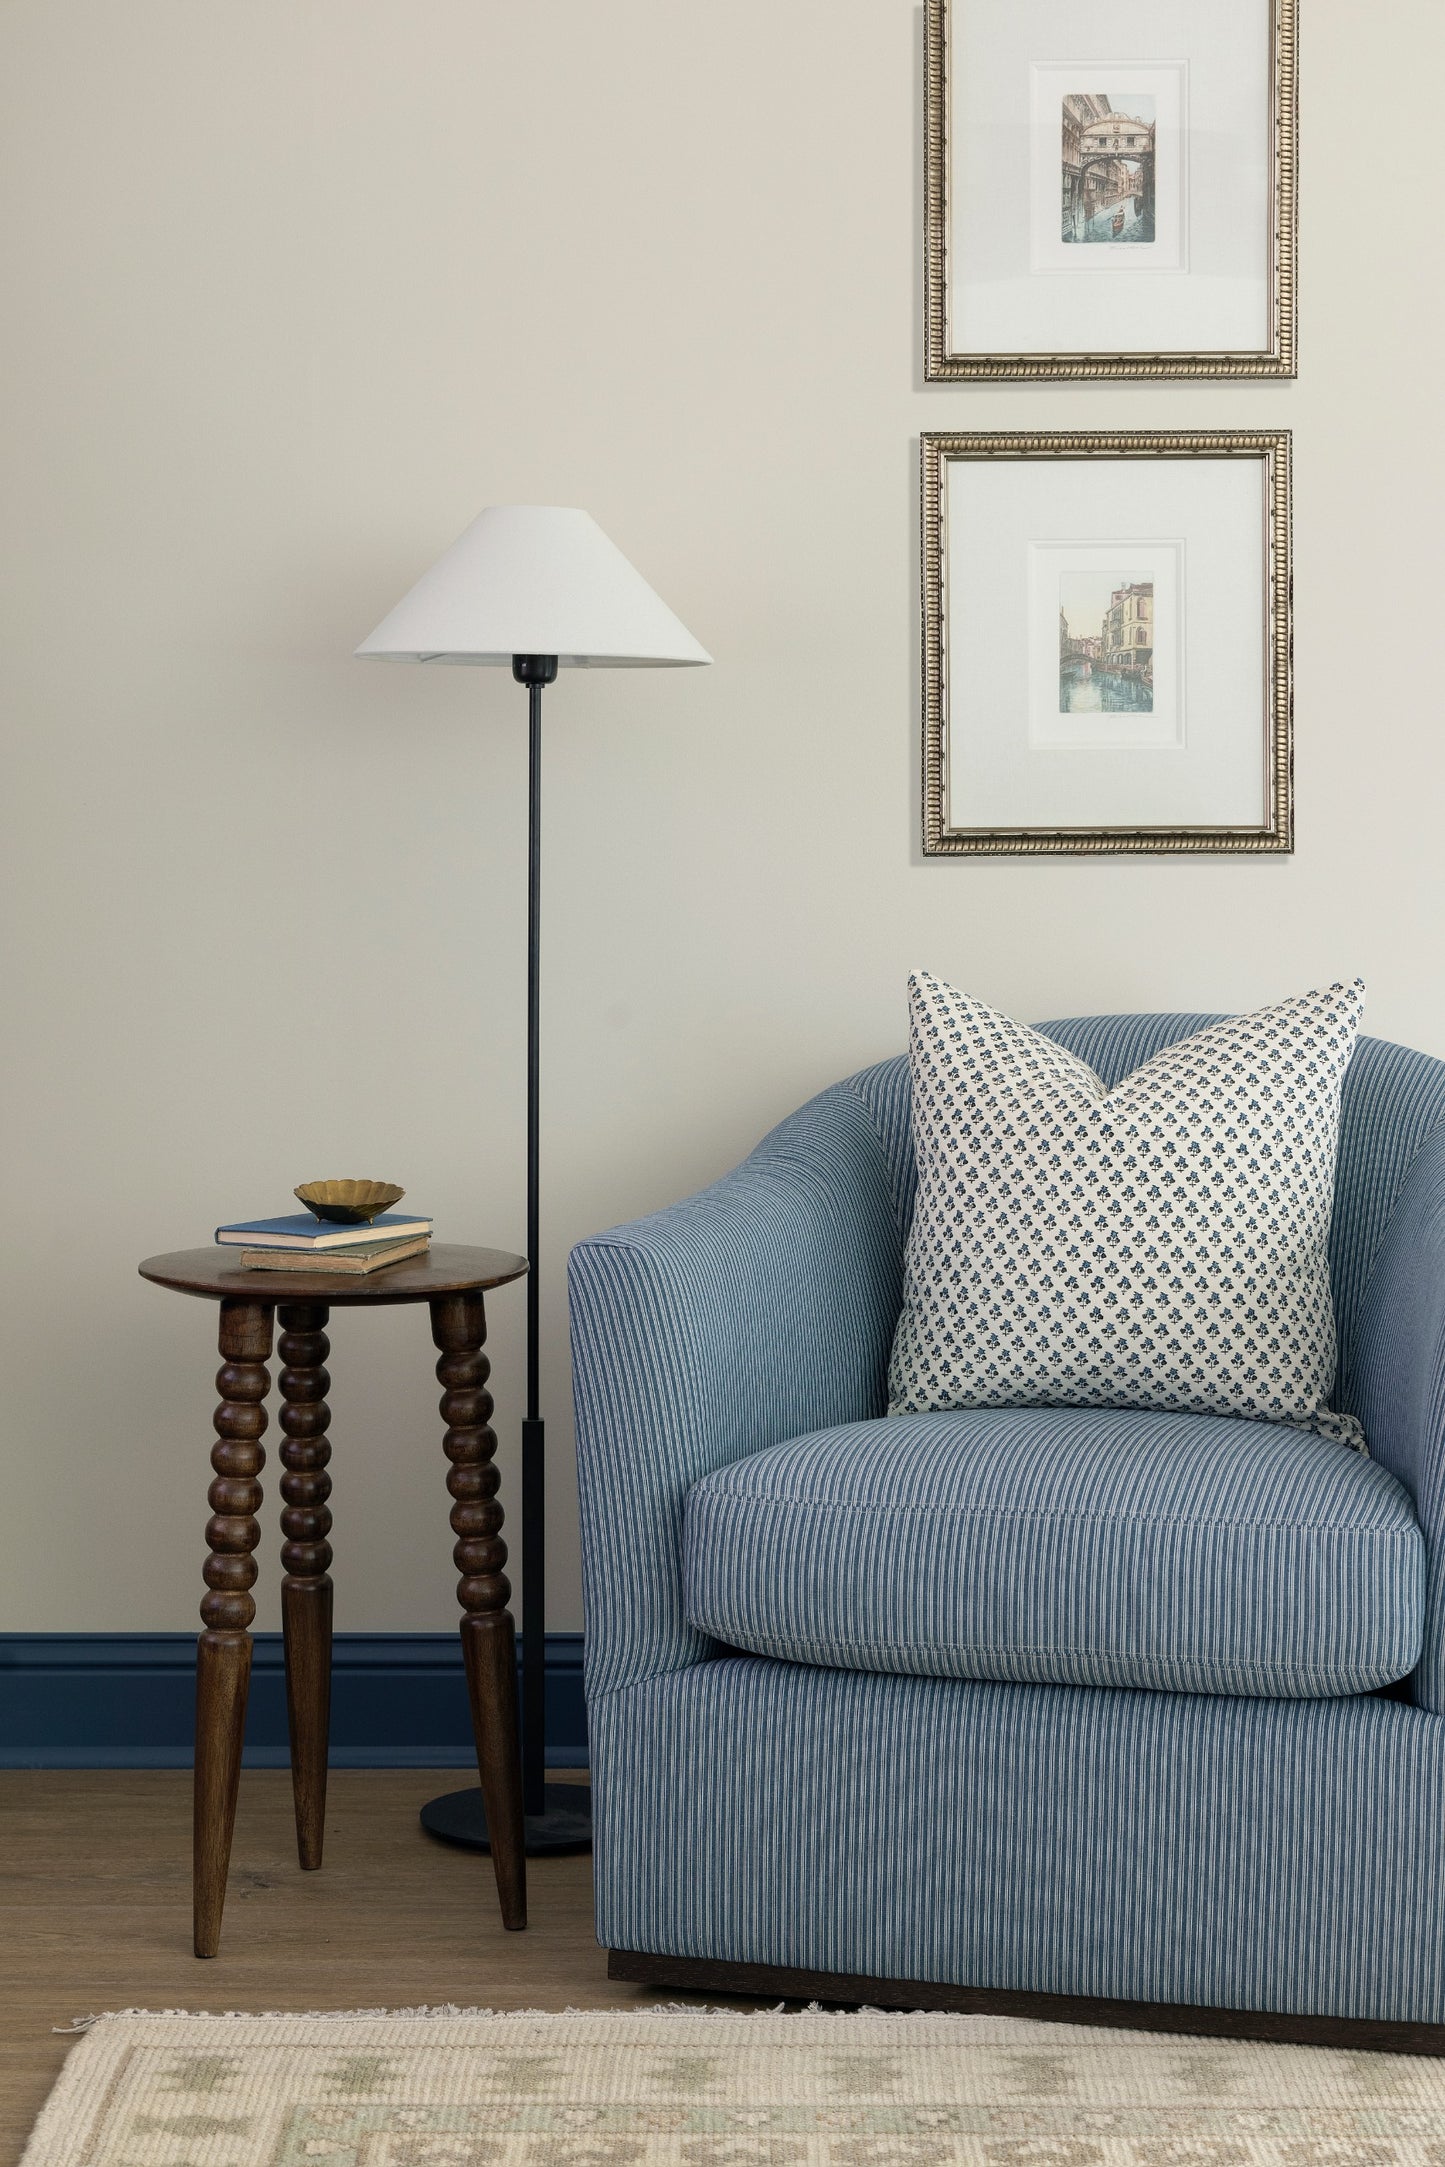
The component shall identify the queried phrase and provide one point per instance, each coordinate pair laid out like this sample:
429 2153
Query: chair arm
756 1311
1400 1371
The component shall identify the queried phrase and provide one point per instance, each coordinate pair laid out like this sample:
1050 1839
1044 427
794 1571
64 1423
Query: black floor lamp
540 588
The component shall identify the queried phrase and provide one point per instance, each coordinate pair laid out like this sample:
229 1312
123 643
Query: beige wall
292 288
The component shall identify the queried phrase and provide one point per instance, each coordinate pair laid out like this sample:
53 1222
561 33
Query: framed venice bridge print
1106 642
1110 189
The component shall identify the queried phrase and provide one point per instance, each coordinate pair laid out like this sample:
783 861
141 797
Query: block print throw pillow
1158 1245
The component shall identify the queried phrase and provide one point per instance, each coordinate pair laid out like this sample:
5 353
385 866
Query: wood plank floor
95 1914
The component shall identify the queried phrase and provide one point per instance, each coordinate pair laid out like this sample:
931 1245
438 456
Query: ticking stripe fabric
756 1311
1079 1546
1160 1244
765 1307
1386 1250
1249 1854
1401 1382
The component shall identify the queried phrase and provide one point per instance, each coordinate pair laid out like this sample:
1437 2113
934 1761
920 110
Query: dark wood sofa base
778 1982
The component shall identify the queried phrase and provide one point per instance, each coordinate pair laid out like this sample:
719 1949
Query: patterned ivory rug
703 2089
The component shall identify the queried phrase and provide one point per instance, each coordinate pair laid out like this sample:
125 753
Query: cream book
363 1257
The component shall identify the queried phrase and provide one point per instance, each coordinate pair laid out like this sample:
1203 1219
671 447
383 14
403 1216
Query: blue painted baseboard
125 1700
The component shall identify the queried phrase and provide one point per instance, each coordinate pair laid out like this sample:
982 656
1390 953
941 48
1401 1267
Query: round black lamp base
565 1824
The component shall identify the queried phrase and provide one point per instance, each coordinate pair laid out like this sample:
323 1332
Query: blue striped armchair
1118 1716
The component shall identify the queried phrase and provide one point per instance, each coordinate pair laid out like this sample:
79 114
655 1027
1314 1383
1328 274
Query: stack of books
300 1243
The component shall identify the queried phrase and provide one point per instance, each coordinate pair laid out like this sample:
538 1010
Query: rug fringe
442 2011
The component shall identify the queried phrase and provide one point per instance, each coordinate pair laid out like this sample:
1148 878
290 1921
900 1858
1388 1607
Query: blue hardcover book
299 1230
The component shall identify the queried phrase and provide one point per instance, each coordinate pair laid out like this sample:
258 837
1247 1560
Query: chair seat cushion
1102 1547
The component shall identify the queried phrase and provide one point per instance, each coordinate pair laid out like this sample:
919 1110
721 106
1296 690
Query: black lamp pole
558 1816
534 671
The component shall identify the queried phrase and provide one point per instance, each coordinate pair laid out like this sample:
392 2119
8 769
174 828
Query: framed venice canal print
1110 188
1106 642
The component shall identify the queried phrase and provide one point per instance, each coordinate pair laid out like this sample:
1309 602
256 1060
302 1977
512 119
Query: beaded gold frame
945 362
1271 447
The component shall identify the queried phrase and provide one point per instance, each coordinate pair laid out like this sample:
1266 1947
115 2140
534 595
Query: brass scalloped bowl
349 1203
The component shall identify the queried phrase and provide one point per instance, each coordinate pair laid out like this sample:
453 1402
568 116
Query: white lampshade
534 579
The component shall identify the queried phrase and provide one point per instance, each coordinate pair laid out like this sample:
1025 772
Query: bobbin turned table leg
223 1652
488 1639
306 1556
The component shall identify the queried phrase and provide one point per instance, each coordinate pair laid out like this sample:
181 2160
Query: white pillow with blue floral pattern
1160 1244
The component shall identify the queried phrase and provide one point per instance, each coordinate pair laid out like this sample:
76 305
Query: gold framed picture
1106 642
1098 207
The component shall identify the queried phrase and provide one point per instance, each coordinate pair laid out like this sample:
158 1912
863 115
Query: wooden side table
452 1282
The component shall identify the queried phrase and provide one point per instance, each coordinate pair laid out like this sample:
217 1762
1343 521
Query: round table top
446 1268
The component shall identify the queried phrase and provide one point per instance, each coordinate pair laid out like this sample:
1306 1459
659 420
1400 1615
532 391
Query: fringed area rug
702 2089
